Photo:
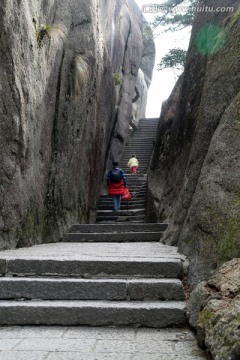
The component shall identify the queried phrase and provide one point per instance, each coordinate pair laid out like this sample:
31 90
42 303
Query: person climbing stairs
107 273
140 143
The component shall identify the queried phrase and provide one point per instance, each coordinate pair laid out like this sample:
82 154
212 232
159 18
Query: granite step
124 206
151 259
90 289
95 313
112 237
119 228
134 212
135 203
123 218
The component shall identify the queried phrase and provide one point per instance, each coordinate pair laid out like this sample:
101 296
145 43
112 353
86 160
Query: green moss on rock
205 317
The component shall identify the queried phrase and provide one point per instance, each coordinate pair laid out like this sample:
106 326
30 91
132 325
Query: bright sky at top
162 81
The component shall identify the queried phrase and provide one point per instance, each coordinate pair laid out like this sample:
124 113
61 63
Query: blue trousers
116 202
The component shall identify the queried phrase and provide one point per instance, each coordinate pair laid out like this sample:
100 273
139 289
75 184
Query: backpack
116 175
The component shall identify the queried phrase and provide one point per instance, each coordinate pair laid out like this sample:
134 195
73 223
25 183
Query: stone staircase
100 274
141 144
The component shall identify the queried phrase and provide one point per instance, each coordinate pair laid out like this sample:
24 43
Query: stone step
125 159
140 193
142 158
94 313
134 203
136 188
146 142
146 138
139 145
141 164
124 206
133 180
139 153
150 129
107 221
120 218
112 237
140 179
90 289
119 228
134 212
151 259
108 198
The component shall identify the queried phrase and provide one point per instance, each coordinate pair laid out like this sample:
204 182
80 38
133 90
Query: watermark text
157 8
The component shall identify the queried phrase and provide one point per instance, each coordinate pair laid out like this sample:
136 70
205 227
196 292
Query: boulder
214 312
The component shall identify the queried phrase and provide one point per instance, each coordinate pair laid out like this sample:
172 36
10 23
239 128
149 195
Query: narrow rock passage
113 273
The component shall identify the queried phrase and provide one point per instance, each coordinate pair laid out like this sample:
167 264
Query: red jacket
116 188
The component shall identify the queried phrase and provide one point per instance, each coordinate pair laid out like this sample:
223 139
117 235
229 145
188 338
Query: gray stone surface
111 237
54 145
197 298
88 259
63 289
162 267
194 177
170 289
214 309
94 313
91 289
54 343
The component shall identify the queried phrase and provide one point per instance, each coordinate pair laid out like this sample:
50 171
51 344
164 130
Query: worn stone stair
92 284
115 273
115 233
141 144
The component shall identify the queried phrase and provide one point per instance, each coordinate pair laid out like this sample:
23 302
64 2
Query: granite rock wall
194 176
62 115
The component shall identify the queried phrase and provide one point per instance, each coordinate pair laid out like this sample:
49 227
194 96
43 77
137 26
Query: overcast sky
163 81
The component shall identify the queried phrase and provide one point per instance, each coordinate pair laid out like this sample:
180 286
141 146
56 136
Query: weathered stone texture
54 142
215 312
194 177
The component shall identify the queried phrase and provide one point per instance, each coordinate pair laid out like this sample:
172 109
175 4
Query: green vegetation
117 78
175 58
49 31
79 76
235 18
230 239
204 317
226 232
173 20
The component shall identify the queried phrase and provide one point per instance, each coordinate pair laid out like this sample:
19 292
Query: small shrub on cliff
79 76
174 59
117 77
49 31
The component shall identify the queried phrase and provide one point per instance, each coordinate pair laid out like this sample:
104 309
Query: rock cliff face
62 116
214 309
194 177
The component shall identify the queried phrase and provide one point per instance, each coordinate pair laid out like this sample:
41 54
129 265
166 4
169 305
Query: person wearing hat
116 182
